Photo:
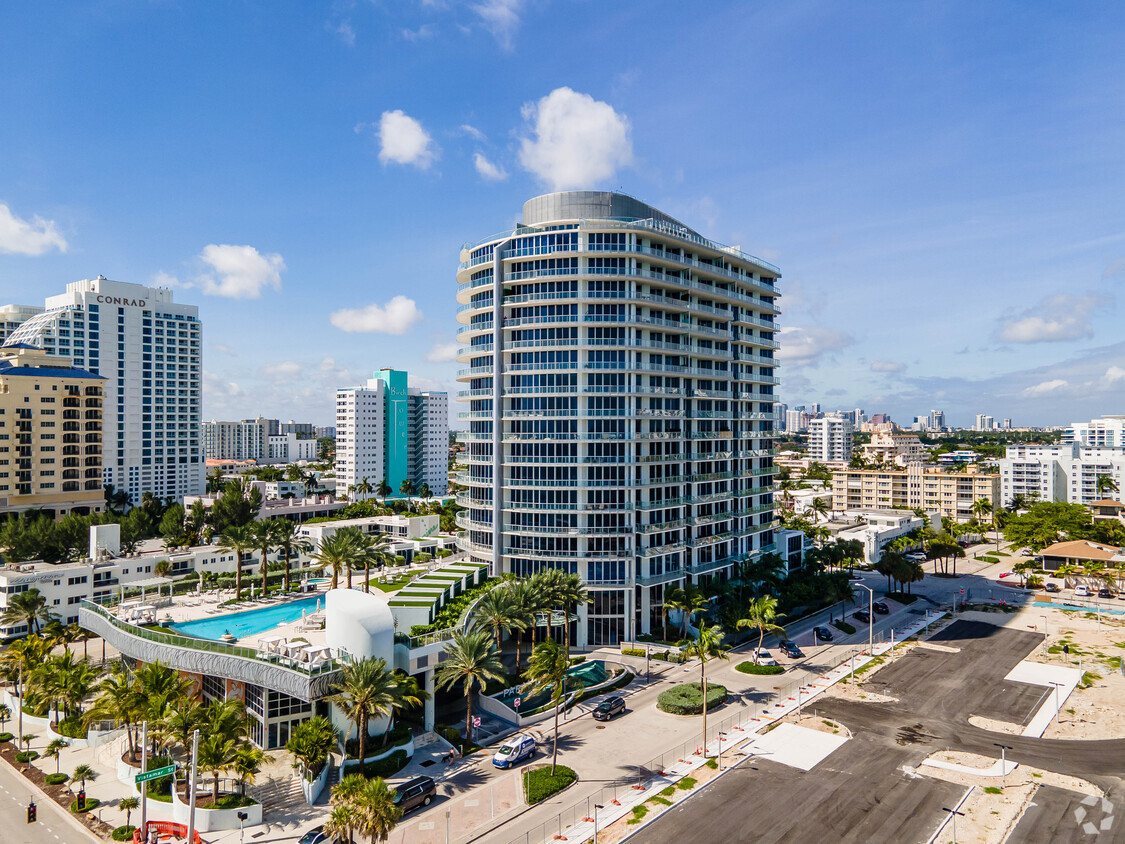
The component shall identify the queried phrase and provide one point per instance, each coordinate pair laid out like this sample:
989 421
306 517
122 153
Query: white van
1081 592
514 750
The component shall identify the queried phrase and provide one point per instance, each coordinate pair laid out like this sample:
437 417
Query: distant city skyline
941 184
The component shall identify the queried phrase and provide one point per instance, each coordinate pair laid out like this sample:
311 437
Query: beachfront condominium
389 431
50 434
149 350
620 385
830 438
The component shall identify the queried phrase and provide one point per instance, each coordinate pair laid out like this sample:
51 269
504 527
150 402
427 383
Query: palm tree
471 658
709 645
342 819
407 489
53 750
383 490
248 761
497 611
366 690
819 508
364 488
118 701
128 804
571 591
5 714
265 541
547 670
162 569
522 594
762 615
370 549
407 695
691 601
217 754
1105 484
28 608
83 773
310 743
423 490
336 552
239 539
181 721
377 808
288 541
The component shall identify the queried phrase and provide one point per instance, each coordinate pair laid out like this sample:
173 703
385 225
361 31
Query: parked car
822 634
763 657
413 793
514 751
1052 587
1025 552
609 707
916 557
880 608
1106 593
1081 592
862 615
316 835
791 650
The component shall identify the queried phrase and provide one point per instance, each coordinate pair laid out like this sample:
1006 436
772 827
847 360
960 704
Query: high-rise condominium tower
387 431
621 389
149 350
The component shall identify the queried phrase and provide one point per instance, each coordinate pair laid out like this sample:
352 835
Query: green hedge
753 668
541 783
27 756
71 727
843 626
901 597
687 698
56 779
386 767
399 735
123 833
6 737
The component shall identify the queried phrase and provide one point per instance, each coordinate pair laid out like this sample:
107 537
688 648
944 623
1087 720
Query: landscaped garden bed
687 699
749 667
540 783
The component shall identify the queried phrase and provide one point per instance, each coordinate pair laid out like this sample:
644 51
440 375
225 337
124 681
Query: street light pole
1004 748
953 813
596 807
1058 706
870 616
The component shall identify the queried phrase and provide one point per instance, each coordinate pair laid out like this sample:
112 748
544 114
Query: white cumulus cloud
163 279
395 317
21 237
1044 387
239 272
1054 319
283 370
805 346
578 141
501 18
403 140
1113 375
473 132
441 352
488 171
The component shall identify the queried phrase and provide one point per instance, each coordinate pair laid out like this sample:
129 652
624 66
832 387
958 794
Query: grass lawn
540 783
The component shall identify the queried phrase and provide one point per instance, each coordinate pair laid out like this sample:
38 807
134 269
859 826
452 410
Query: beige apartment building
895 448
50 434
952 494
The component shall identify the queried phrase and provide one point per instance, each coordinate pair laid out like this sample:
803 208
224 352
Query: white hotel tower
621 389
149 350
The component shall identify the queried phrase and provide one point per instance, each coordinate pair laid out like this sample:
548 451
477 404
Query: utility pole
191 786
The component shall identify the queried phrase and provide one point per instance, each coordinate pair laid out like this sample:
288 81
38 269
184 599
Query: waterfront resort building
149 351
620 386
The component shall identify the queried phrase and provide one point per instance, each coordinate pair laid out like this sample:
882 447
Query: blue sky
942 184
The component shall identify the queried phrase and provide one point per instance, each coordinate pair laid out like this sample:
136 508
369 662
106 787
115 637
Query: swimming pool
248 622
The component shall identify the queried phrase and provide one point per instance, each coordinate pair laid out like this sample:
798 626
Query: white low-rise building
876 528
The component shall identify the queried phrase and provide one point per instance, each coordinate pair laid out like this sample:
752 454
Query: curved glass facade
620 381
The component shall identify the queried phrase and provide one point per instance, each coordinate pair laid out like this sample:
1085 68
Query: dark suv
880 608
416 792
862 615
609 707
823 634
791 650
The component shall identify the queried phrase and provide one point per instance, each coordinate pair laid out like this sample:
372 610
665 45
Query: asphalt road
1056 816
52 825
860 792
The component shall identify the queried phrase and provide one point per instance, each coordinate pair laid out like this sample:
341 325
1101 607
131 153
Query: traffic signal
82 800
31 812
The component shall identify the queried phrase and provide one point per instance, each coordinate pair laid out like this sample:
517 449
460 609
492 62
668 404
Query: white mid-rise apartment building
150 351
620 380
13 316
288 448
1106 432
983 422
247 439
1065 472
831 438
388 431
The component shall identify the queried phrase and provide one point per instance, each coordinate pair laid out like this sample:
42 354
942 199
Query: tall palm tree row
265 541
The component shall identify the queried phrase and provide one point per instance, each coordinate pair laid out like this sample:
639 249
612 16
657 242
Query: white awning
148 583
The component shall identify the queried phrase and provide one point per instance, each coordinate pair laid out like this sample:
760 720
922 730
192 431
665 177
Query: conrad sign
120 300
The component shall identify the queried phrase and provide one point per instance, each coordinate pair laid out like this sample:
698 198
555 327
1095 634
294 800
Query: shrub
56 779
687 699
123 833
399 735
71 727
5 737
540 784
843 626
91 804
632 652
387 767
753 668
27 756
